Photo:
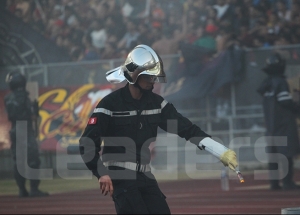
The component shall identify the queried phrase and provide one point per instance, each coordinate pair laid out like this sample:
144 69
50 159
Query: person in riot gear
19 108
126 121
280 113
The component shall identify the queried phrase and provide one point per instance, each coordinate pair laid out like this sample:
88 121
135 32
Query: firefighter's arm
226 155
90 141
189 131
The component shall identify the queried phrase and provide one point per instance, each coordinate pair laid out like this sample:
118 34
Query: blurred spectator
284 39
254 16
127 9
59 41
221 40
88 17
115 26
26 7
295 11
222 8
55 25
130 36
240 17
263 5
67 44
200 6
259 42
98 34
90 52
109 52
245 38
283 12
76 34
146 37
187 5
169 41
75 53
157 15
265 35
112 38
193 33
295 23
81 9
273 23
207 40
69 16
164 45
103 9
49 6
128 22
37 22
193 17
173 21
212 13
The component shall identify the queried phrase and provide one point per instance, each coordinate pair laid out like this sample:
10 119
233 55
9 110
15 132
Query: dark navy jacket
19 108
280 113
128 126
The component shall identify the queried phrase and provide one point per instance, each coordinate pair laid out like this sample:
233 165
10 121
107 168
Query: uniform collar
126 95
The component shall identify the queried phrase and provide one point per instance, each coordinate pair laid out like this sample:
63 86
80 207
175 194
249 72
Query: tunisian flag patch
92 121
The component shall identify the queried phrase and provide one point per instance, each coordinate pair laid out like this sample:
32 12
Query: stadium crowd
108 29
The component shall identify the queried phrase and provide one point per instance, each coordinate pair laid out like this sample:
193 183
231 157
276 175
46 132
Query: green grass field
56 185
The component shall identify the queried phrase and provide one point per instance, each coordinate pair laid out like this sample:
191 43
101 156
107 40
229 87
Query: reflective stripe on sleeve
284 98
284 95
130 113
115 113
163 104
151 112
102 110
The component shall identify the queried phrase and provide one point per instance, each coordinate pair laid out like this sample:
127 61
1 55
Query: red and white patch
92 121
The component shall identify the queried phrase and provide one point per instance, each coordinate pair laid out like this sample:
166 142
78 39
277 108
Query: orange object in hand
240 176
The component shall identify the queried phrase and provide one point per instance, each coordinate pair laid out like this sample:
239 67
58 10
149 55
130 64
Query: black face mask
141 89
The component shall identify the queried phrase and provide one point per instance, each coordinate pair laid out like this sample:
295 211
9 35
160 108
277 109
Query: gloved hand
228 158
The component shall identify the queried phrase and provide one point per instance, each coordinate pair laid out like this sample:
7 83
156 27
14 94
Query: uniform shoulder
109 99
157 98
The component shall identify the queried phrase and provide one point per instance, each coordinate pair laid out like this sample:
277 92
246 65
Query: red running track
184 197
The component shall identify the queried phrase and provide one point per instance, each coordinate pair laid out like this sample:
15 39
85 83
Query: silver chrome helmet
142 60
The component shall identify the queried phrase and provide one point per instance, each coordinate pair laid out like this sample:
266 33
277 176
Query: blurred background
213 52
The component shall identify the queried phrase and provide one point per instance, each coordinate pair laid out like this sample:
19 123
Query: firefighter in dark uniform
126 121
280 113
20 109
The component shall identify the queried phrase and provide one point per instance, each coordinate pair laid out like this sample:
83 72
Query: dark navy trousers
137 193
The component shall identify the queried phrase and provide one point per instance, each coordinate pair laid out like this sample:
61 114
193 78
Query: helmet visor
153 78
